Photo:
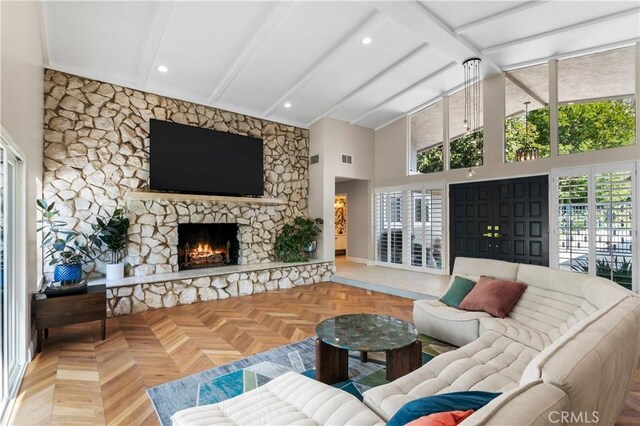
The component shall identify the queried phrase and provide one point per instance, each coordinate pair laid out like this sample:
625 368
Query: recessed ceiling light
162 68
287 104
367 40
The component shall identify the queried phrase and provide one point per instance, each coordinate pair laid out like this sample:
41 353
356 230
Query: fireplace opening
207 245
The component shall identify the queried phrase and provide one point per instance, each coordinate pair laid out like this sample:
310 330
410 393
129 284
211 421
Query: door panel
504 219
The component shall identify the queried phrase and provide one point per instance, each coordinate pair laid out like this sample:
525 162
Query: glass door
11 302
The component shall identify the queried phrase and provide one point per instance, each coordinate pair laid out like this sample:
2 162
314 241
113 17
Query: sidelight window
409 228
594 223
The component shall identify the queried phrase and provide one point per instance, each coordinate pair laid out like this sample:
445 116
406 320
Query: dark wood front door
502 219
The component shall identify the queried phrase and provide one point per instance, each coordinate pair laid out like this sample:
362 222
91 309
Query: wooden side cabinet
69 309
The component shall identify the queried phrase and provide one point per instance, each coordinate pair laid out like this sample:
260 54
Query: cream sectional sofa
568 348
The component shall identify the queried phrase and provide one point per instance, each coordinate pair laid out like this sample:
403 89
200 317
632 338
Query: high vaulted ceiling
253 57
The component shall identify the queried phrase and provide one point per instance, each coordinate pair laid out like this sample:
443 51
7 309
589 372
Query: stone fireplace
205 245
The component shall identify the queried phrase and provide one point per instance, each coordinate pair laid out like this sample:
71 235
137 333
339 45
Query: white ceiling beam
268 27
505 13
44 41
573 53
327 59
155 40
526 89
428 27
404 92
376 78
561 30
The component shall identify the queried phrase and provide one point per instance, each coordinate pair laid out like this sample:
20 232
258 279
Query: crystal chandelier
527 151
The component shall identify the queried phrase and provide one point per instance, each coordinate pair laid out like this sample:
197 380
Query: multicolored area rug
238 377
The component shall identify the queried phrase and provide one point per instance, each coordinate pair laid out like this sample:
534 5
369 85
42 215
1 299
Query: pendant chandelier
471 95
472 101
527 151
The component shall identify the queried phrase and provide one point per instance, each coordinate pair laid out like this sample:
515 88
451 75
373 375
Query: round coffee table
365 333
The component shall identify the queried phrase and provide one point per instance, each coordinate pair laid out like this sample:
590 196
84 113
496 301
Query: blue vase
68 272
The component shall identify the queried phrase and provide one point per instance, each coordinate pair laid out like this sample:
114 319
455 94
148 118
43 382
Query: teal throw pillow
463 401
458 291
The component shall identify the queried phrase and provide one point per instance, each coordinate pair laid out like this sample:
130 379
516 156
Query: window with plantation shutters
389 214
409 228
594 222
425 226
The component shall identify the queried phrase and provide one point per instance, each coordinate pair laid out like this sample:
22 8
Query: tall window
466 145
426 139
526 101
596 102
425 226
389 223
594 223
409 228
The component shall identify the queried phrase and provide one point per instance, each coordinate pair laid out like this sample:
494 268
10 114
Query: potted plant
112 231
296 238
308 230
67 249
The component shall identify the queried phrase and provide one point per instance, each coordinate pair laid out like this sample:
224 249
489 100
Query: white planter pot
115 271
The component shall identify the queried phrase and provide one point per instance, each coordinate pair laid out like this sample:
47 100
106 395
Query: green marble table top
366 332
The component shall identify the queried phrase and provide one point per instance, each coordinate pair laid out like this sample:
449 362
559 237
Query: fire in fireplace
207 245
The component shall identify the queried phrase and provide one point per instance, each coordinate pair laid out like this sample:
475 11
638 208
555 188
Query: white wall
330 138
358 194
21 109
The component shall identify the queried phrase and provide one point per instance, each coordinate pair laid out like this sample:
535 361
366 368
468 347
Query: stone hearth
138 294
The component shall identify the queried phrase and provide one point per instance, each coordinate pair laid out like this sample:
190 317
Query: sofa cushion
517 331
435 319
474 268
458 291
492 363
594 291
535 403
289 399
470 400
494 296
594 362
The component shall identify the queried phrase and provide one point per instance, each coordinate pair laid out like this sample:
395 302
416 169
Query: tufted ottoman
286 400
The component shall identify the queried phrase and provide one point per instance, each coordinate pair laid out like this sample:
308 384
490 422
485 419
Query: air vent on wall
347 159
314 159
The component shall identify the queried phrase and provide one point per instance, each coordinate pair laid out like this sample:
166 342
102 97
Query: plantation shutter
594 225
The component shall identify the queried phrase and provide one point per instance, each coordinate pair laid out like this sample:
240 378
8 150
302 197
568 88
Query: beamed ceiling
253 57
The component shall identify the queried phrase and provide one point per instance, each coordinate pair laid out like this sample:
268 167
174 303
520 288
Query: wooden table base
332 363
404 360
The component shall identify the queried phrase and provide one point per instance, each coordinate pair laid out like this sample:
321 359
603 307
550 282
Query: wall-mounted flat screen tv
193 160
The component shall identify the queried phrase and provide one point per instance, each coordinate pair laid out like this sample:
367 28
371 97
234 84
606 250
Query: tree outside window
596 96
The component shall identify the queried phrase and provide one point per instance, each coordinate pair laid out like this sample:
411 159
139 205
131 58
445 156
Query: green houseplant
67 249
112 231
296 238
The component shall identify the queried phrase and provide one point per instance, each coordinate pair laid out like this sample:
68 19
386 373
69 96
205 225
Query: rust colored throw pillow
493 296
448 418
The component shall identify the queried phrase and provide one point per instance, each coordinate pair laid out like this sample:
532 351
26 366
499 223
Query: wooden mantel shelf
170 196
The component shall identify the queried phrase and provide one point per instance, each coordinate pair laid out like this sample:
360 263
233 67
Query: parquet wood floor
80 379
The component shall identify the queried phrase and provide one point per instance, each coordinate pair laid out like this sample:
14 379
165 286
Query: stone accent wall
142 297
96 149
154 234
